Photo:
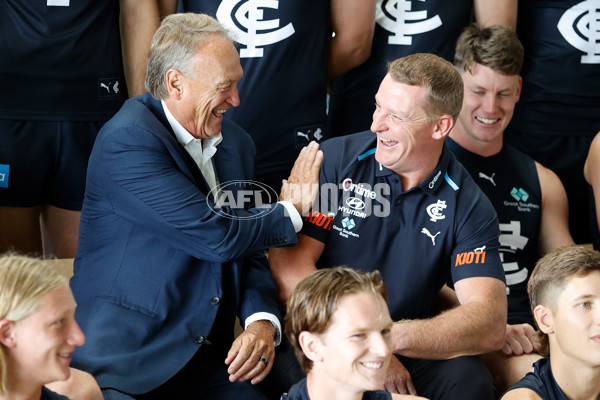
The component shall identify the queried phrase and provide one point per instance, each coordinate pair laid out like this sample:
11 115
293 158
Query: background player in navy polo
62 78
399 202
406 27
529 199
288 54
565 298
558 114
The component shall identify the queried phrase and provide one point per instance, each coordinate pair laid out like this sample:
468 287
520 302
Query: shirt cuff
268 317
293 214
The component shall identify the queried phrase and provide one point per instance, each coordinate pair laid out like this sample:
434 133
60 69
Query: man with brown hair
529 199
394 199
564 289
340 329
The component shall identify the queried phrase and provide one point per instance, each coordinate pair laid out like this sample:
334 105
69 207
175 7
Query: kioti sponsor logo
320 220
470 257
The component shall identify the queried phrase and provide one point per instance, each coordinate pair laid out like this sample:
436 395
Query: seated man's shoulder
354 140
534 385
521 394
349 148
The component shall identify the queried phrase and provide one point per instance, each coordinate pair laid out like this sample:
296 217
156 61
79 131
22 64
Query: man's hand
398 379
80 386
520 339
245 358
301 187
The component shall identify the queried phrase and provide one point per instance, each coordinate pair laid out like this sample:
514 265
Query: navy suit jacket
152 256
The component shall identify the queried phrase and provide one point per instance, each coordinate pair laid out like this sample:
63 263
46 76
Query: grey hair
173 46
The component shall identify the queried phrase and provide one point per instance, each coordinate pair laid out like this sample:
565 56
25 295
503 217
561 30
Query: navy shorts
45 162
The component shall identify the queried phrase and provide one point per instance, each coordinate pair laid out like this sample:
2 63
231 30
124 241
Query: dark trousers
465 378
204 377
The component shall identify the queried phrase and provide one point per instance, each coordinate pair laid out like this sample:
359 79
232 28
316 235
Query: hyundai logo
355 203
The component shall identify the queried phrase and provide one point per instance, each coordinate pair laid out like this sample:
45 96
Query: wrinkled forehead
218 58
400 97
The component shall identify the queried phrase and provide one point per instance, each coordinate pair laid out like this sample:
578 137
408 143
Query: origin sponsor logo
470 257
359 189
434 180
234 197
350 204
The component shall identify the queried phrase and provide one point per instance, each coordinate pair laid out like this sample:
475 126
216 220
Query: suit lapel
228 170
223 164
180 155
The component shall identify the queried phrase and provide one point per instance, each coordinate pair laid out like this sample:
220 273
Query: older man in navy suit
163 269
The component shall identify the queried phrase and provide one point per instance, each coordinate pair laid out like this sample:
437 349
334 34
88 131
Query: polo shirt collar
434 181
439 176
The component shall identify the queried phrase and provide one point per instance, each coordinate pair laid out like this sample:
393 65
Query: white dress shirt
202 151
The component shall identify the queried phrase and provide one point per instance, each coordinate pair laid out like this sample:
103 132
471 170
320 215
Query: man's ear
519 87
311 346
174 80
7 333
442 128
544 318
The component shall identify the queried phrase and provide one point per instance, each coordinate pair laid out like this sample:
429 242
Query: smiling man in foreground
395 199
161 273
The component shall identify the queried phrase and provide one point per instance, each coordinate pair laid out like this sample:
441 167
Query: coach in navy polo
396 200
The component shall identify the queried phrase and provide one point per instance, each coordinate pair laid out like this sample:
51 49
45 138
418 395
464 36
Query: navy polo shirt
443 230
300 392
541 381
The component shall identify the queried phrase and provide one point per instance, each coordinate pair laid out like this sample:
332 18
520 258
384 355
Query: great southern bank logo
397 17
245 18
234 198
519 194
348 223
580 26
